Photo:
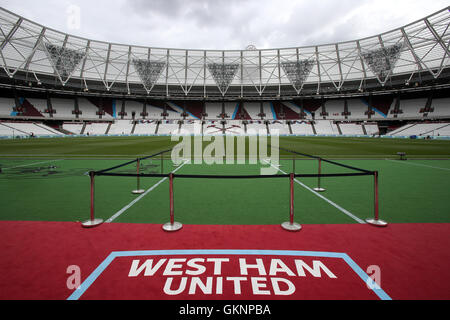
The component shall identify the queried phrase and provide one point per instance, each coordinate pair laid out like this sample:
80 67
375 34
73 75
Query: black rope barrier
191 176
130 162
329 161
290 226
202 176
115 167
156 154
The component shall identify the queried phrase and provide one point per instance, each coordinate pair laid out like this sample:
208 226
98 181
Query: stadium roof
45 58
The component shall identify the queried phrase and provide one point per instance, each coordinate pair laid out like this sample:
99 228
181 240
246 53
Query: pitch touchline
32 164
121 211
418 164
346 212
131 156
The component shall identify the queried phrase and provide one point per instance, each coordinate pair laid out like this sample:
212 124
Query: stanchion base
291 226
377 223
138 191
320 189
91 223
172 227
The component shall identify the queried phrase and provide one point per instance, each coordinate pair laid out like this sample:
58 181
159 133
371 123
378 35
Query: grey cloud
225 24
202 11
164 7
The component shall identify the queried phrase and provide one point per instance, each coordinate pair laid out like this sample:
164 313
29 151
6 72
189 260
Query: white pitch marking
417 164
32 164
132 203
346 212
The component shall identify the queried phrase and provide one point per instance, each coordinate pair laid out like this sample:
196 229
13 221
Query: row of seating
351 109
220 127
27 129
422 129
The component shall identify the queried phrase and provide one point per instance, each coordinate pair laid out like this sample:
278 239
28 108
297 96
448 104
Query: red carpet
413 259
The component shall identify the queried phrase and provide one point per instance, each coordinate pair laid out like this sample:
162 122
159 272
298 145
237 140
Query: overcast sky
224 24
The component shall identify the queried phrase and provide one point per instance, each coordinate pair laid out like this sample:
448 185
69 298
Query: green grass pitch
45 179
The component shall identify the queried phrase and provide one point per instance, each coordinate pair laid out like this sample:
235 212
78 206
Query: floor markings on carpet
89 281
